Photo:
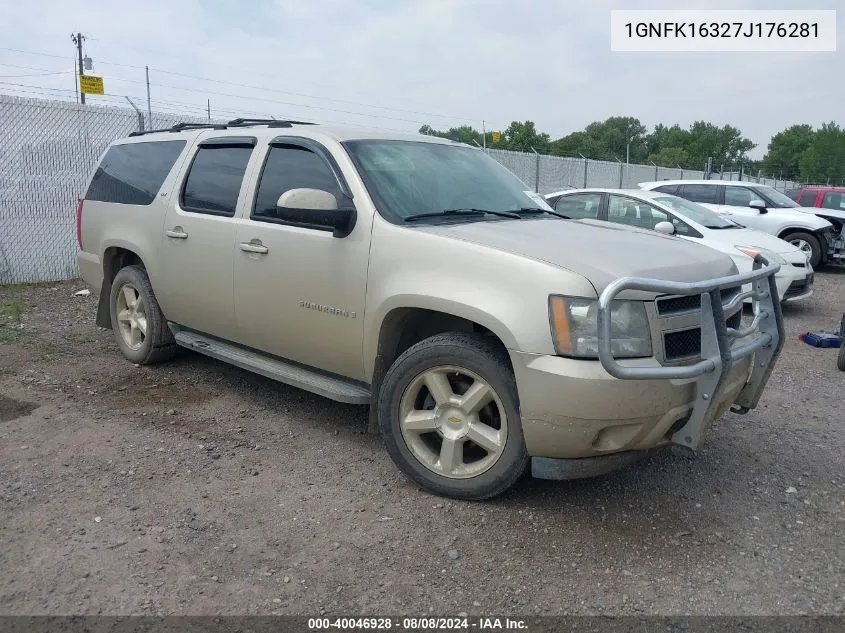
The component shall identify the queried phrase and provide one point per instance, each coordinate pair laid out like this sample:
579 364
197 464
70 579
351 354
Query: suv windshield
408 178
695 212
774 198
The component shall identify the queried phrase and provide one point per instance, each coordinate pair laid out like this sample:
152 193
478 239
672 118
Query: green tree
522 136
670 157
725 145
824 160
663 136
616 135
465 134
575 144
786 149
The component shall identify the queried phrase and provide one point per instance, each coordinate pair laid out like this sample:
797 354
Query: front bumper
579 408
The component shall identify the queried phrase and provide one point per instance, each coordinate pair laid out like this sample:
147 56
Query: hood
599 251
824 212
731 238
808 219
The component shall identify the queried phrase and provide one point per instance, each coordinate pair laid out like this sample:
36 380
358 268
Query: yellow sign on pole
91 85
497 136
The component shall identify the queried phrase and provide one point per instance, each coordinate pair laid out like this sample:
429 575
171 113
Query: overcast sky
401 63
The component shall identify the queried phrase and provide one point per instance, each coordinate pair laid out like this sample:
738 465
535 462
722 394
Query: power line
177 107
262 88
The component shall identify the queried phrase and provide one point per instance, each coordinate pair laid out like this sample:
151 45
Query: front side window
579 206
834 200
706 194
695 212
214 180
291 167
807 199
406 178
133 173
634 212
740 196
773 198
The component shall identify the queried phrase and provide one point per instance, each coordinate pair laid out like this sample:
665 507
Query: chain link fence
48 149
47 152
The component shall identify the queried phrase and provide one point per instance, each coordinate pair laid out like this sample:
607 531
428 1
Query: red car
827 202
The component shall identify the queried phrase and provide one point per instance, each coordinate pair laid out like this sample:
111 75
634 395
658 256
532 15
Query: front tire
449 416
140 328
840 362
808 243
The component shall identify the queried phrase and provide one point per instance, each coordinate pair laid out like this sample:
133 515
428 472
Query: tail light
79 222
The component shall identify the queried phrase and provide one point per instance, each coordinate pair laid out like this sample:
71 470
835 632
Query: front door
737 199
299 292
199 238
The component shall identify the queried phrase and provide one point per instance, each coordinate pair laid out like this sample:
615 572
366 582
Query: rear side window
708 194
291 167
673 189
580 206
133 173
214 180
834 200
808 199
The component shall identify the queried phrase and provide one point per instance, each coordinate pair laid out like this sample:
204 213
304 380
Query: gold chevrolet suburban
487 333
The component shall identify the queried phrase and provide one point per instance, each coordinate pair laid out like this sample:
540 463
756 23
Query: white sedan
690 221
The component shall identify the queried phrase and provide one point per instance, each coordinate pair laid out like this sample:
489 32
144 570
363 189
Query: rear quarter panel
137 228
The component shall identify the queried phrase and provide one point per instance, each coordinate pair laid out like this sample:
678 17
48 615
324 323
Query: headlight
771 256
574 324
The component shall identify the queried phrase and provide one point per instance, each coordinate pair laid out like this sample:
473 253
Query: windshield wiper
461 212
539 210
719 228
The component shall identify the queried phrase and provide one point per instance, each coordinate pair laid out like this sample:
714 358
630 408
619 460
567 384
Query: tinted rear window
673 189
708 194
133 173
214 181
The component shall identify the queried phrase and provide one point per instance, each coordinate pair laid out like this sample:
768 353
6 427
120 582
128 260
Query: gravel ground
197 488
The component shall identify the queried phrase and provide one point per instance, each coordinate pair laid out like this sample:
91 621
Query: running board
287 373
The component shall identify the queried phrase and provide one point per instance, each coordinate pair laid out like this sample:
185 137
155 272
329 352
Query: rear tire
807 242
449 416
139 327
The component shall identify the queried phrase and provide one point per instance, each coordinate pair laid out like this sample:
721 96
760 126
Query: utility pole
149 110
209 109
484 134
78 39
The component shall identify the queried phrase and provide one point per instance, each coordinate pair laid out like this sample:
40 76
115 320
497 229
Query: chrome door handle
254 247
176 233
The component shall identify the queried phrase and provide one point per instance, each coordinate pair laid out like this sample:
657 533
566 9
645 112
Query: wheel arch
405 324
114 258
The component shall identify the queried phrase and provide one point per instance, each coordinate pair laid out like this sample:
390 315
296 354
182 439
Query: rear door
199 236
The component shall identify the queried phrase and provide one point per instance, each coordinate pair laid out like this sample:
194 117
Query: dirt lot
197 488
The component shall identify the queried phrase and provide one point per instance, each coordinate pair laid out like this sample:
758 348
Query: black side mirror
316 209
759 205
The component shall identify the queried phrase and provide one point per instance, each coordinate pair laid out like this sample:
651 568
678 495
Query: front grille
690 303
797 288
683 344
676 305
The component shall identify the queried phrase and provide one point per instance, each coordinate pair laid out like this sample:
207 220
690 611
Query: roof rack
240 122
268 122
